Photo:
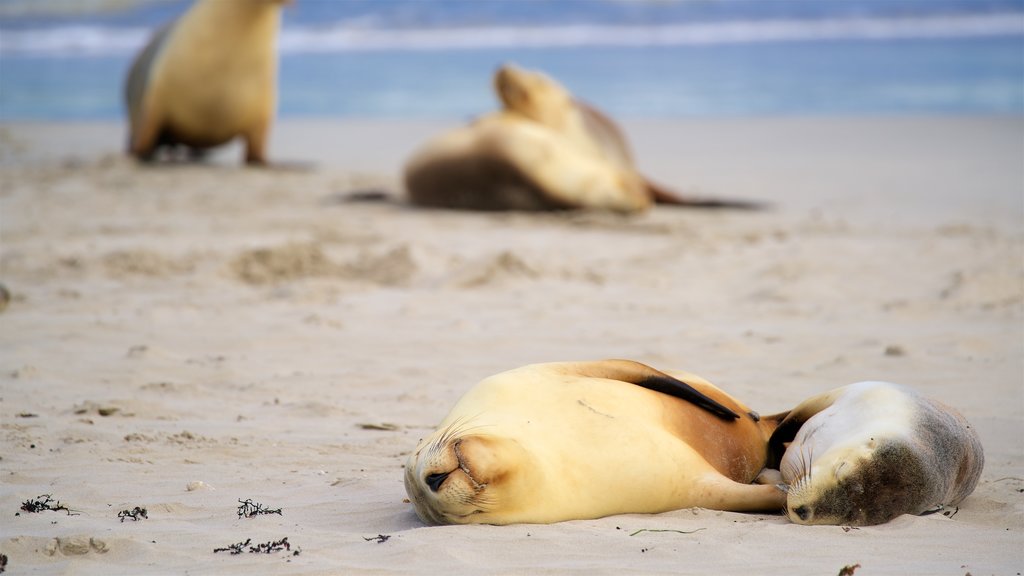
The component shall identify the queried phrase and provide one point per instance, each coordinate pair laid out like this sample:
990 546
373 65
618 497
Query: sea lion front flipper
144 128
564 175
646 377
605 134
792 420
145 132
256 141
726 494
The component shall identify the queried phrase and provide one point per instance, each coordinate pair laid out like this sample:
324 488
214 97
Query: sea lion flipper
144 127
792 420
652 379
605 133
145 132
663 195
740 497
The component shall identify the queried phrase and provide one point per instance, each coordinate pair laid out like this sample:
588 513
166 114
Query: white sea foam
347 37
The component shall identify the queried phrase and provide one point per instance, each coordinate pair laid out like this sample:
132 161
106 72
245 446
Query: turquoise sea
641 58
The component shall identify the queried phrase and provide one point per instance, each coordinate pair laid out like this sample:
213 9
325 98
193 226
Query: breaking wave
85 40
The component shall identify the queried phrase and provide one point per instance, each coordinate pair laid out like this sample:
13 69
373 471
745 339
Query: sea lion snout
508 84
435 480
802 512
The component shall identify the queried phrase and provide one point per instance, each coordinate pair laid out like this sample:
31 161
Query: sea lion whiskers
838 469
802 471
451 433
481 501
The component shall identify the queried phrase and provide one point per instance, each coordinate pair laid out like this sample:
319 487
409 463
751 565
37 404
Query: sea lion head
857 485
458 477
533 95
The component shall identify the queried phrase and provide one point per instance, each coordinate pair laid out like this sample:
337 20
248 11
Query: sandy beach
183 337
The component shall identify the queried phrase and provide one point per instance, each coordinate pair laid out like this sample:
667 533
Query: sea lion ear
646 377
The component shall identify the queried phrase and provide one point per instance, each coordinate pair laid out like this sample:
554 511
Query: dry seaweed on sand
45 502
379 538
135 514
247 509
263 548
848 570
236 548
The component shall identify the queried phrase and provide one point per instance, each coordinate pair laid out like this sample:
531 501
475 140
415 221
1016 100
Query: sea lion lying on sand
543 150
574 440
866 453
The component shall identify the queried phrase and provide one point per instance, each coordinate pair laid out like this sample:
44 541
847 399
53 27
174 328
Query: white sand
252 330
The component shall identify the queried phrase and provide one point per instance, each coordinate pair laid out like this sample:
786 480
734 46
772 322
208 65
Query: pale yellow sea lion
505 162
866 453
207 78
575 440
543 150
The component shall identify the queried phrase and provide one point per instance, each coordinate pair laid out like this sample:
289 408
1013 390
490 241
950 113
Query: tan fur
542 151
206 79
561 441
503 162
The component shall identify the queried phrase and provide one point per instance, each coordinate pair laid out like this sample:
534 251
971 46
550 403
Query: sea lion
866 453
576 440
505 162
207 78
539 97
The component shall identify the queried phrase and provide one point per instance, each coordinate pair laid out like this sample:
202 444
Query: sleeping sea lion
866 453
207 78
574 440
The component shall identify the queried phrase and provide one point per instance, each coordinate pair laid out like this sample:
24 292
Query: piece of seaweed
263 548
134 514
247 509
45 502
236 548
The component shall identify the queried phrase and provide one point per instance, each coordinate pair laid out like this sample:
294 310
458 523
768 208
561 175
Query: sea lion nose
802 512
435 480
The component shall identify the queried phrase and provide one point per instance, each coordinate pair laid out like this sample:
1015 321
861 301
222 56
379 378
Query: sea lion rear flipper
647 377
663 195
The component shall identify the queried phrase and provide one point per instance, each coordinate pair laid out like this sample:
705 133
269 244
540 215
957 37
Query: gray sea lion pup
207 78
575 440
866 453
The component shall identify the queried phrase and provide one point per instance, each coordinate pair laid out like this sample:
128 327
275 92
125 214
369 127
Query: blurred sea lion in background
207 78
543 150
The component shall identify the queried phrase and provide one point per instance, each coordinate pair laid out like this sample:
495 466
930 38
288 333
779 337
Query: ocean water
634 58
